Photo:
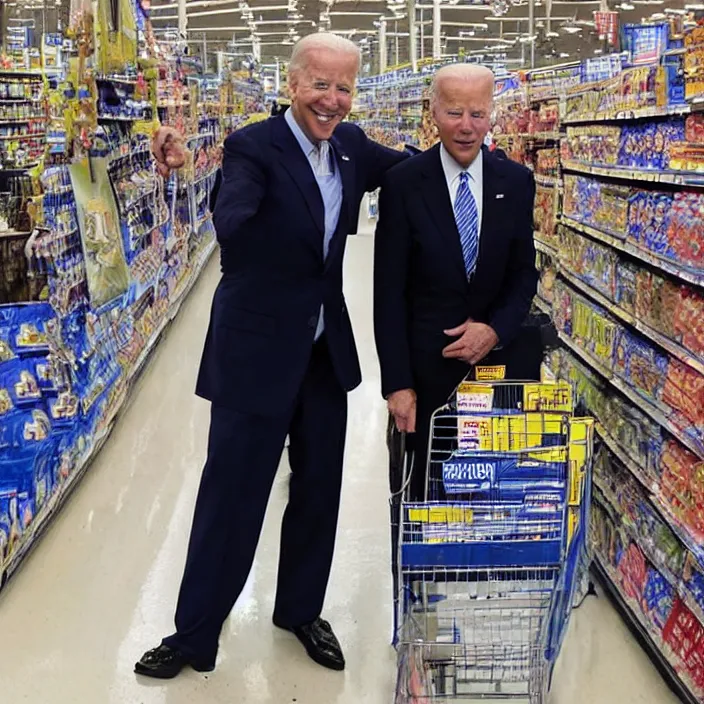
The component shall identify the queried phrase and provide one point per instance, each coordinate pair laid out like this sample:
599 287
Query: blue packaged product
18 380
658 596
9 527
647 367
637 215
25 327
626 285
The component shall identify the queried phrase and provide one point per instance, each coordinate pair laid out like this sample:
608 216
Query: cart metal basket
489 563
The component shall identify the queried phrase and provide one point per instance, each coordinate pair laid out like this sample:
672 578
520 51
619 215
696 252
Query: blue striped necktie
467 219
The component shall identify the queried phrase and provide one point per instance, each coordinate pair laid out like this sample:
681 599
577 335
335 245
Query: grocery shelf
542 305
627 114
688 540
22 120
689 275
120 118
640 401
676 178
547 181
546 136
675 349
126 80
675 581
640 631
625 459
57 500
544 247
34 135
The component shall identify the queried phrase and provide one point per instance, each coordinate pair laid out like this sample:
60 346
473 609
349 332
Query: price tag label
490 373
474 398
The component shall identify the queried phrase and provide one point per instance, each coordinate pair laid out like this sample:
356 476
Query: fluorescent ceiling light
476 25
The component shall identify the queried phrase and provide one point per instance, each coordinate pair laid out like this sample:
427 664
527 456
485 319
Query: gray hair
465 72
320 40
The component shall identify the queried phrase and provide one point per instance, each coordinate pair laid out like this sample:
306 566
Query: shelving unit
111 252
620 296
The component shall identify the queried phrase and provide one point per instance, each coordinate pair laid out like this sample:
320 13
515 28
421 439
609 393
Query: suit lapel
296 163
439 205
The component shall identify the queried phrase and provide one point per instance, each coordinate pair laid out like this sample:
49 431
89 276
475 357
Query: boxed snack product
544 211
627 285
684 391
694 128
593 329
682 486
689 320
633 570
640 364
684 636
657 299
593 144
648 220
685 233
589 260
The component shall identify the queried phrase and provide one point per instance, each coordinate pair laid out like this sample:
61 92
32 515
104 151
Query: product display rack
98 252
623 279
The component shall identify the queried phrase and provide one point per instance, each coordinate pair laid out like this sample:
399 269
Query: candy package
24 327
684 636
658 596
18 382
633 572
640 364
684 391
10 532
682 486
694 128
689 320
626 285
685 232
665 300
648 220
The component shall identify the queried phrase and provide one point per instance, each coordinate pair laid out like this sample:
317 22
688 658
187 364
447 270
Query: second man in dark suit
454 267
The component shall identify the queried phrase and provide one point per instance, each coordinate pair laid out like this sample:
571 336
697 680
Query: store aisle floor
101 586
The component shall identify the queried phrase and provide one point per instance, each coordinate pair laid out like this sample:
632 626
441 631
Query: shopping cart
489 562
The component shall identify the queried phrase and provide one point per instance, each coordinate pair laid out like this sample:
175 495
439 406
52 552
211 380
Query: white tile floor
101 586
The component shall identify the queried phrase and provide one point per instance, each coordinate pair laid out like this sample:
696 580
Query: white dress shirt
475 171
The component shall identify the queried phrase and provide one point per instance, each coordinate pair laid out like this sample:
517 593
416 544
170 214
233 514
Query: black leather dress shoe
320 643
165 663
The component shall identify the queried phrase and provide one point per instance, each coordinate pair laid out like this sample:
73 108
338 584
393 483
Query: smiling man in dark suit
279 358
454 267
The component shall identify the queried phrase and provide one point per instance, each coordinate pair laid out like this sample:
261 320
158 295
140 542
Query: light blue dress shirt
330 190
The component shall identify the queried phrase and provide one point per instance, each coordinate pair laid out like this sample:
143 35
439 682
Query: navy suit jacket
420 282
269 220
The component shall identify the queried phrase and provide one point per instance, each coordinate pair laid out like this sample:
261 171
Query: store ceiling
564 28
